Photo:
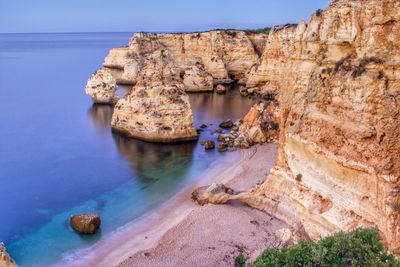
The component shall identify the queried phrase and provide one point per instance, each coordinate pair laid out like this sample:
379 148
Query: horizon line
153 31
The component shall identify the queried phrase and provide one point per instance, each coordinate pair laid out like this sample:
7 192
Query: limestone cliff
162 66
337 80
338 84
220 55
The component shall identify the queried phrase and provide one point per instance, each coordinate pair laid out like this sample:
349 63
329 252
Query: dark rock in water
225 138
85 223
222 147
226 124
218 130
203 126
243 91
209 144
221 89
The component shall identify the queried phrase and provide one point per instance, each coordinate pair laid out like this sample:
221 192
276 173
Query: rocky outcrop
196 79
338 83
101 87
157 109
260 125
203 59
5 259
85 223
157 114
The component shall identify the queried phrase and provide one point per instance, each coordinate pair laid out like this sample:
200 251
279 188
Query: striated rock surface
101 87
85 223
5 259
337 80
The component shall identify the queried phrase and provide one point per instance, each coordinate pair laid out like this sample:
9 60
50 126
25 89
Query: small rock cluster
260 125
256 92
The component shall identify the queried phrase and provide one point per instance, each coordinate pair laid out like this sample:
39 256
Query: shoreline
127 244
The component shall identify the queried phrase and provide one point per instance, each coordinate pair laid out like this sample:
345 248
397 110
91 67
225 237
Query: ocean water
58 156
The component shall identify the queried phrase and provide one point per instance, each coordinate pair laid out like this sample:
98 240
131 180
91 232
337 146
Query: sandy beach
182 233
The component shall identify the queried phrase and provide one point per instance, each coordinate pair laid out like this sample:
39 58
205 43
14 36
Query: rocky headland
337 82
333 91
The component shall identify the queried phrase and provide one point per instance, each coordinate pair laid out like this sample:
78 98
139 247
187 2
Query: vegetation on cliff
361 247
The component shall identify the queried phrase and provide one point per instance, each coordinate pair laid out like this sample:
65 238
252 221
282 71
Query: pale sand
182 233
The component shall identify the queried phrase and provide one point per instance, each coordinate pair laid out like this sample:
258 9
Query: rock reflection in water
148 161
212 108
101 115
151 162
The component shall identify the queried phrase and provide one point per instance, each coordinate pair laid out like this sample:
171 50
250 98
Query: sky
25 16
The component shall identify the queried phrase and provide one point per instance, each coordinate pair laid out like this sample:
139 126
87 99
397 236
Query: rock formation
196 79
337 80
161 67
101 87
259 126
155 114
5 259
202 59
85 223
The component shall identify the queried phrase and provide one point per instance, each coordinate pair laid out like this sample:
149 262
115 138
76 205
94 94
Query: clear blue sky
149 15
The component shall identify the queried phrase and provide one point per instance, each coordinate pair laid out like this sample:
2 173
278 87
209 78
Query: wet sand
181 233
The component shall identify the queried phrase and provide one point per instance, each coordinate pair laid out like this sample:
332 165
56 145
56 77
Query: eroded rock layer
218 55
338 84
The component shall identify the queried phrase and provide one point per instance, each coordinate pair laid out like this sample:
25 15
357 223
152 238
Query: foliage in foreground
361 247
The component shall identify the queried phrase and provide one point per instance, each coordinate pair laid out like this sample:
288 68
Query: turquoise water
59 157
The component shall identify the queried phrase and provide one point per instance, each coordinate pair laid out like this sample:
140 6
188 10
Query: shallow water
58 155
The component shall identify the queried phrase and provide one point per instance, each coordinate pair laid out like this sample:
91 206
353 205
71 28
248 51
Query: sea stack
101 87
155 114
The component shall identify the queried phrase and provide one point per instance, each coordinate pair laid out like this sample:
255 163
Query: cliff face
338 84
223 55
337 80
162 66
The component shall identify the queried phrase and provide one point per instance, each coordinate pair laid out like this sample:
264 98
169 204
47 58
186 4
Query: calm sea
59 157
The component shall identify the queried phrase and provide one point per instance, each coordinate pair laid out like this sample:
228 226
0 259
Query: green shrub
231 33
240 260
361 247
